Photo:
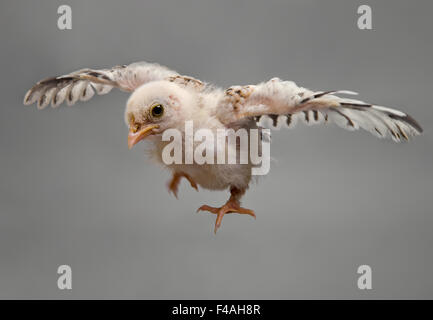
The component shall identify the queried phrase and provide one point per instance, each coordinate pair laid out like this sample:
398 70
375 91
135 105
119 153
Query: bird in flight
162 99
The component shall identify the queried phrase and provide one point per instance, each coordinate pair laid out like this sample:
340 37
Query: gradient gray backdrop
72 193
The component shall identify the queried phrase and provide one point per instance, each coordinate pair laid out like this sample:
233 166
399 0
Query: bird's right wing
82 84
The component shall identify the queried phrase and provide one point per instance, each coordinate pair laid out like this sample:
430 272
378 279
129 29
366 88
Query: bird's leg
231 206
173 184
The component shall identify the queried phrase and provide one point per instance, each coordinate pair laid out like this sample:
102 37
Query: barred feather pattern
350 114
82 84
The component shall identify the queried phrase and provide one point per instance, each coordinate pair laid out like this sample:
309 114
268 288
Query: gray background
72 193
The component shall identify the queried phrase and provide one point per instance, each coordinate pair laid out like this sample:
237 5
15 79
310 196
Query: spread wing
279 103
82 84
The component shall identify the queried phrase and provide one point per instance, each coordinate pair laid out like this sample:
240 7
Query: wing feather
276 103
82 84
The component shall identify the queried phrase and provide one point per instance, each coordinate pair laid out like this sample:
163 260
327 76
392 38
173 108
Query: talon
208 208
173 184
218 221
192 183
231 206
247 211
173 187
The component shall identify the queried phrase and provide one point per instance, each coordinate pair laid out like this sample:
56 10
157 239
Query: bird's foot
173 184
231 206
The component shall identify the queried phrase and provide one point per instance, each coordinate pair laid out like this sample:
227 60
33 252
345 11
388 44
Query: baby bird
162 99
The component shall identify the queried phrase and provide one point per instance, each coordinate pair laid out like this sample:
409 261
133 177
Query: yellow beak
135 137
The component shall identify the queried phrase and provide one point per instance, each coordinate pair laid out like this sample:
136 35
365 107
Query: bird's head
155 107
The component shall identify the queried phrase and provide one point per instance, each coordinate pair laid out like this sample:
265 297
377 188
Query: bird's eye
157 110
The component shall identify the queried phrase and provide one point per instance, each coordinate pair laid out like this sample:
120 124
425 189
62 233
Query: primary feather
279 103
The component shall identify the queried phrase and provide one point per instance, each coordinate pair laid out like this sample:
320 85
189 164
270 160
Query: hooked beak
135 137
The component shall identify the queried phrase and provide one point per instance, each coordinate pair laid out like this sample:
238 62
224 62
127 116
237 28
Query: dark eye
157 110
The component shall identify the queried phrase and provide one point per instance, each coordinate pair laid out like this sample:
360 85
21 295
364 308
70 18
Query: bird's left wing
82 84
283 103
